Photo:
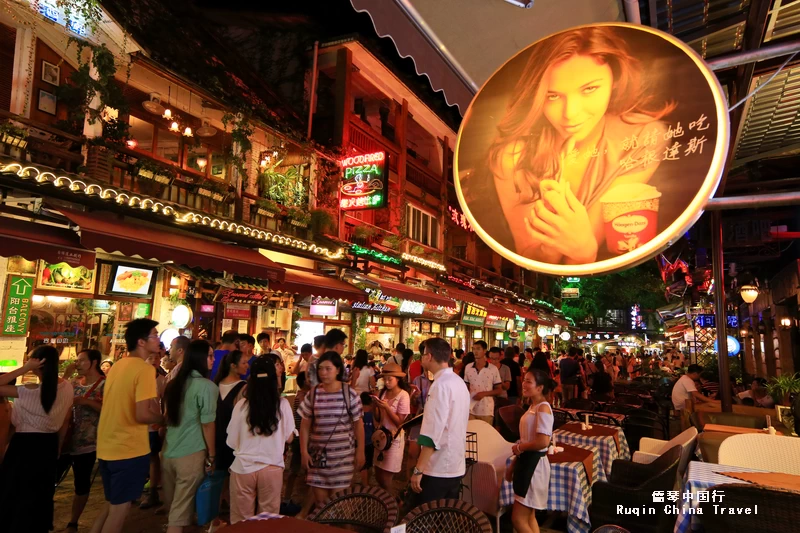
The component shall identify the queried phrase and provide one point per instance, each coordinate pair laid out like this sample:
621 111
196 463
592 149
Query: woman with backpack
231 389
261 425
332 432
28 472
391 410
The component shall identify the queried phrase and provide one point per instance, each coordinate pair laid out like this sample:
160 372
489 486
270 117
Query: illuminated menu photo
364 182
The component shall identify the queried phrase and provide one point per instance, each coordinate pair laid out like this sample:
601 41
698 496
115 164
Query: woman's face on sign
578 91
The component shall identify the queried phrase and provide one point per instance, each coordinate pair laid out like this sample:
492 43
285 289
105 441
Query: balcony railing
357 231
423 177
367 140
47 145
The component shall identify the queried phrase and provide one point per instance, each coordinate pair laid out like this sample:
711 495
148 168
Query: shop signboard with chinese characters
613 158
411 307
710 321
238 311
570 293
439 312
496 322
17 305
364 182
473 315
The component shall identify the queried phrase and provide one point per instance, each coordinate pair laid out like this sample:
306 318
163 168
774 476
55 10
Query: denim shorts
123 480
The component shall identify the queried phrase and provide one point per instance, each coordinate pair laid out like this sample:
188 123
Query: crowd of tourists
166 420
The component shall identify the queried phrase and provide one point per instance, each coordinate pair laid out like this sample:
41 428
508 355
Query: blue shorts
155 442
123 480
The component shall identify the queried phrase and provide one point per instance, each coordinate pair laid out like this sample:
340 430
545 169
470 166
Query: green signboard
17 308
473 315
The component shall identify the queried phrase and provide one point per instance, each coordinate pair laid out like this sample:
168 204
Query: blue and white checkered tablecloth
569 490
606 445
699 478
266 516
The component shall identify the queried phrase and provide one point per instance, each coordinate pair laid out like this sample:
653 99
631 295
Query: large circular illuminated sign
598 146
181 316
733 346
168 335
565 336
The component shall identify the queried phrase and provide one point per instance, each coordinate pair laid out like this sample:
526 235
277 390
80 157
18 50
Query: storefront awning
523 312
501 312
406 292
466 296
310 284
107 232
40 241
560 322
543 320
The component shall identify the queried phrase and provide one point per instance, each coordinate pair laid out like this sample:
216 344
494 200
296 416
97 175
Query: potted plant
781 387
151 177
215 190
267 207
13 136
298 217
364 232
392 241
417 250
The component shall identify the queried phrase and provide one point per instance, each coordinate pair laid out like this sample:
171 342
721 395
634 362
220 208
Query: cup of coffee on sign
630 215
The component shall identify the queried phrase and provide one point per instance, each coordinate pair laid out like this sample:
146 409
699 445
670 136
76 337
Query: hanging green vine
360 321
241 131
88 10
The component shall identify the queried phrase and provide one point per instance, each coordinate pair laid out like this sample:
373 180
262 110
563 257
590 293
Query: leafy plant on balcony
284 186
322 221
364 232
13 135
241 130
216 190
150 170
393 241
268 205
417 250
300 216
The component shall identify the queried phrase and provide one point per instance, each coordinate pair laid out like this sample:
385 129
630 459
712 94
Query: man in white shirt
442 459
484 384
177 349
685 389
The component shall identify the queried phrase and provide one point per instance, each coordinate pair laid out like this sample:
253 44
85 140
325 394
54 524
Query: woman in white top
362 378
260 428
391 410
532 470
28 472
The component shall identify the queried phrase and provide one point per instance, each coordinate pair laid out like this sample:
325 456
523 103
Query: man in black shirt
516 374
570 373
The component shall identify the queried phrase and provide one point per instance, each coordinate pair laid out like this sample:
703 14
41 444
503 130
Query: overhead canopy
459 44
466 296
406 292
523 312
40 241
495 310
311 284
111 234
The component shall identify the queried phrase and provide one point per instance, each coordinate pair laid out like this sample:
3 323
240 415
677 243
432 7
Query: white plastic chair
651 449
484 479
759 451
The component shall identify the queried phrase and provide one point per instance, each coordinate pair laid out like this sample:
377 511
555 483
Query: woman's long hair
540 363
361 360
524 128
95 357
408 355
49 371
231 358
263 398
196 358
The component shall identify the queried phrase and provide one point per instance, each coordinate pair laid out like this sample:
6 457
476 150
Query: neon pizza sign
364 183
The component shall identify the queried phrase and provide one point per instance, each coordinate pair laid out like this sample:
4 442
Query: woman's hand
380 403
33 364
515 449
305 460
561 223
360 460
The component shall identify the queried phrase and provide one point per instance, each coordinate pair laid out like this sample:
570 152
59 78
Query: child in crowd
369 429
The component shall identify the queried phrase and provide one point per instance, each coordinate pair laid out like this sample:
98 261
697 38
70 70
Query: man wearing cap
442 460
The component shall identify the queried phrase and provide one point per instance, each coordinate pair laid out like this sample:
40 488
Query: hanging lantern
174 127
188 132
167 114
201 163
749 293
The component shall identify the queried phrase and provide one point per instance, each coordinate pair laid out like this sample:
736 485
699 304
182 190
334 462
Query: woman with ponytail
261 426
28 472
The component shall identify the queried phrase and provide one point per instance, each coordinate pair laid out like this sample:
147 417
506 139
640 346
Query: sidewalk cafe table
616 416
279 524
609 440
571 483
700 480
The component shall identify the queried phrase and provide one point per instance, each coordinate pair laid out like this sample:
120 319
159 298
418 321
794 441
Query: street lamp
749 293
786 323
743 333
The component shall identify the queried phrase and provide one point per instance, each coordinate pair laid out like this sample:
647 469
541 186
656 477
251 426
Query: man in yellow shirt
129 405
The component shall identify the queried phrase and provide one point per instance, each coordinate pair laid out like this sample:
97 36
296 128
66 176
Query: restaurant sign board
323 306
595 160
473 315
364 181
242 296
496 322
568 293
17 305
238 311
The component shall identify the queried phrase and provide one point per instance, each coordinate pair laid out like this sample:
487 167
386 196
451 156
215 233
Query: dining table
279 524
573 471
609 440
619 417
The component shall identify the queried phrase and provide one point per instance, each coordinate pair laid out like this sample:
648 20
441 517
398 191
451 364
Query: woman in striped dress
332 432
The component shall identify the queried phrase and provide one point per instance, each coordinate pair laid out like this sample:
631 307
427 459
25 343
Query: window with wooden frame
422 227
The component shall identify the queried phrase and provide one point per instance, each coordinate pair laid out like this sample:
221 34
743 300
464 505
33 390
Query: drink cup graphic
630 215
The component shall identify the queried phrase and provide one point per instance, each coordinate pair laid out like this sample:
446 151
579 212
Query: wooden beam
753 37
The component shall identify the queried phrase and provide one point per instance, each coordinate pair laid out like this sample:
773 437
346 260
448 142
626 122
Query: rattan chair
772 453
508 421
446 515
778 510
633 484
581 403
358 508
560 417
597 418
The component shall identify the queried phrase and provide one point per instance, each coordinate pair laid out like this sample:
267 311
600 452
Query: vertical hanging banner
364 181
17 305
592 150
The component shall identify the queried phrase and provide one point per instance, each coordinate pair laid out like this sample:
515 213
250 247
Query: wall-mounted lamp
786 323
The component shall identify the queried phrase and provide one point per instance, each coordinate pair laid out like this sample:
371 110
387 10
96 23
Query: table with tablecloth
699 481
279 524
609 440
616 416
570 486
